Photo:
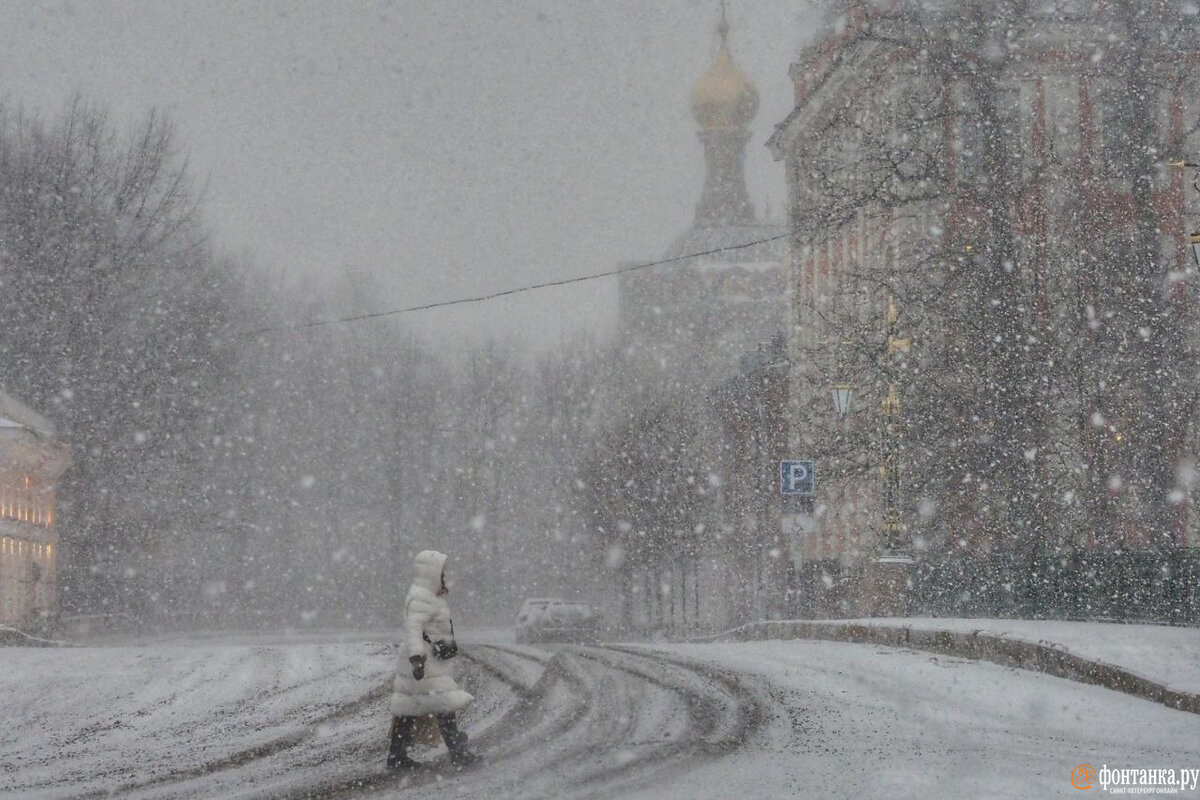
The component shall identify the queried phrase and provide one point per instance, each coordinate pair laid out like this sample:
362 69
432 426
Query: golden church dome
724 97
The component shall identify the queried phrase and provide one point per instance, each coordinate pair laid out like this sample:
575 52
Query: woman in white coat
424 684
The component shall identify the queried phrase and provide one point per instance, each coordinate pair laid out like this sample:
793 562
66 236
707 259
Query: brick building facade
951 169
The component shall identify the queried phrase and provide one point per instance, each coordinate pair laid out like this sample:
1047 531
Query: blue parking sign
797 477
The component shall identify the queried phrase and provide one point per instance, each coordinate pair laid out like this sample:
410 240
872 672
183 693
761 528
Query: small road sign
797 477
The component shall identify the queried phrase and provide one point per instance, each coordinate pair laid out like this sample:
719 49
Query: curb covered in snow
10 637
1041 657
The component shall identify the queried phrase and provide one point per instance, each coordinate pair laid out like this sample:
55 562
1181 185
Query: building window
29 504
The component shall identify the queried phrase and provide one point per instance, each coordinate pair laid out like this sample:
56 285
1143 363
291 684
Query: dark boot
456 741
399 741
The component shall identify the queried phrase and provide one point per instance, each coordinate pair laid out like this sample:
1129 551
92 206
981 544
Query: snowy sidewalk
1163 654
1157 662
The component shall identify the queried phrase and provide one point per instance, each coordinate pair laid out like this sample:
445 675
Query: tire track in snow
254 753
538 707
599 721
226 719
723 710
341 743
593 721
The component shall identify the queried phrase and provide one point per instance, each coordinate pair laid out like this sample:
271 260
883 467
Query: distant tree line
282 477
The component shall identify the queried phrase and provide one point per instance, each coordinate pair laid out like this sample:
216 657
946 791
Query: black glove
418 665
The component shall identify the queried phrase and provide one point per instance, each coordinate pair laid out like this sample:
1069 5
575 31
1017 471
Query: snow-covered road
851 720
750 719
179 720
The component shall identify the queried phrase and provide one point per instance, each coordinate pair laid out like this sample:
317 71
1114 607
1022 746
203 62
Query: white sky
454 147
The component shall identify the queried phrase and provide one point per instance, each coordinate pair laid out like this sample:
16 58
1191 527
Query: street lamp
842 393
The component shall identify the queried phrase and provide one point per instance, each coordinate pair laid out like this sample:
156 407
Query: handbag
443 650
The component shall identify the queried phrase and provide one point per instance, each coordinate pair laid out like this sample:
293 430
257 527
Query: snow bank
1153 662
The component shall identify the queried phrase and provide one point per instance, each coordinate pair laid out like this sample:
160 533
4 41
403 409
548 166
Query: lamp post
891 408
1194 237
889 571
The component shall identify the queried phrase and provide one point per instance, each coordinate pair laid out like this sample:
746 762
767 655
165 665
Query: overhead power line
515 290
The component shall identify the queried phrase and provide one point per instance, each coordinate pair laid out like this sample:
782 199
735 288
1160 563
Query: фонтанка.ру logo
1136 781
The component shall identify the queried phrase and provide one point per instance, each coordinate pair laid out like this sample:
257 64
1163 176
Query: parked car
552 619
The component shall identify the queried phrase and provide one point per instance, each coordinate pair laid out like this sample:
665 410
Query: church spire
724 102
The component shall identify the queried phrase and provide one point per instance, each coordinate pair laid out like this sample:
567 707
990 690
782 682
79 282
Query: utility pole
895 540
889 573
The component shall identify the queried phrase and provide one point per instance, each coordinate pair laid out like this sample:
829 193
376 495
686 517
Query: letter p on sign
797 477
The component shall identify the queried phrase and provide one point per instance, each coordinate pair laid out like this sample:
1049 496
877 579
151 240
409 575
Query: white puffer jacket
426 616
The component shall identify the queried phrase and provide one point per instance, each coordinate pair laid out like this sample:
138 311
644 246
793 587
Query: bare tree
1041 347
115 324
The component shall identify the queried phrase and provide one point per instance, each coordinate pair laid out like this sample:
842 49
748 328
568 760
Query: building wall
709 314
856 249
31 460
28 573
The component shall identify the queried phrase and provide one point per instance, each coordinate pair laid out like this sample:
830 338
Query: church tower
702 328
721 290
724 102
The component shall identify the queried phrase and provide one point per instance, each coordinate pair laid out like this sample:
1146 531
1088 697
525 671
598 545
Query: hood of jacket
427 570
